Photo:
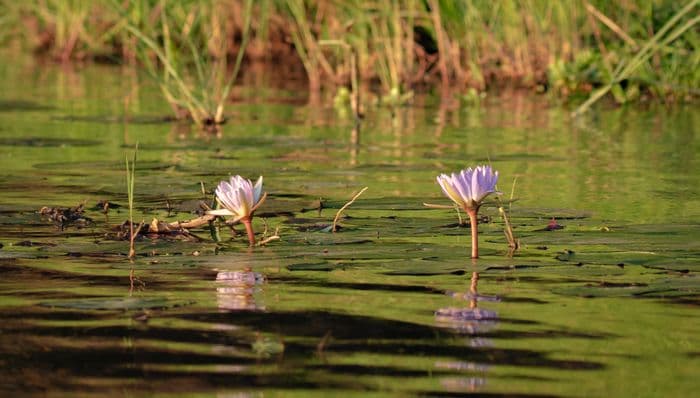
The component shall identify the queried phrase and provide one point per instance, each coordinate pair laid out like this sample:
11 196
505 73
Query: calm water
389 306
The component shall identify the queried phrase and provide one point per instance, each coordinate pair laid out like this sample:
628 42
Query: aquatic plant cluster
239 198
632 50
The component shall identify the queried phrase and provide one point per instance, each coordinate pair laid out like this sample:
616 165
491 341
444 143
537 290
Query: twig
610 24
193 223
434 206
513 243
264 233
508 230
269 239
337 215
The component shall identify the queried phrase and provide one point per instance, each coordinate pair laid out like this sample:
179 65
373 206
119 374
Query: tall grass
625 50
187 56
72 34
671 31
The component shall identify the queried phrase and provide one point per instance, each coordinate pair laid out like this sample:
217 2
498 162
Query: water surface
391 305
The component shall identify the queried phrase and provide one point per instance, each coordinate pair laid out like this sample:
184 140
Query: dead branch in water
345 206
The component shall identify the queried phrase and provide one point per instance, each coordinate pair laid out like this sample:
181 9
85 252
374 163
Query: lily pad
320 266
681 286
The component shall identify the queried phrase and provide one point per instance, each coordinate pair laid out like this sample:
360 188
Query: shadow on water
125 352
358 286
58 275
46 142
22 106
385 287
112 119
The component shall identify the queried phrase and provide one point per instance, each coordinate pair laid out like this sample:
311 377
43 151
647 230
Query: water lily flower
468 189
239 198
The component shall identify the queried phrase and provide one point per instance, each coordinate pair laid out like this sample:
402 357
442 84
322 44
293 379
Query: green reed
627 50
187 56
72 36
130 181
671 31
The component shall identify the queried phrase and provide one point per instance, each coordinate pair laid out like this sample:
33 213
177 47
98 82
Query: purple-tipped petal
477 189
223 195
469 187
448 189
238 196
461 184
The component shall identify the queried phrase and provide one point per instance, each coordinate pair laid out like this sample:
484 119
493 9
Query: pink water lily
239 198
468 189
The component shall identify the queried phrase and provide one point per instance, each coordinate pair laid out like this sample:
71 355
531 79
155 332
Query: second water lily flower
239 198
468 189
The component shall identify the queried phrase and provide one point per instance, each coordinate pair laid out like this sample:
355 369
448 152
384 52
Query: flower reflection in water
239 290
473 321
458 384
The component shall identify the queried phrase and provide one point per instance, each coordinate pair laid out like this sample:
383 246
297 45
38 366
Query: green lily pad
321 266
681 286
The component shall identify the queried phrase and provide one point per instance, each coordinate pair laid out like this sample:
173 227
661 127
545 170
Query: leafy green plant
631 50
671 31
195 83
68 26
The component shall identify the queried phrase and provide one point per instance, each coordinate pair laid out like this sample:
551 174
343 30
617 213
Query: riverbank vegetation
629 50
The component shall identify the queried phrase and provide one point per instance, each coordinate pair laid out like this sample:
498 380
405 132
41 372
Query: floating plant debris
105 206
158 228
66 216
553 225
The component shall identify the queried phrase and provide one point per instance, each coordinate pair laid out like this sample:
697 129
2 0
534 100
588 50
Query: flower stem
475 231
249 229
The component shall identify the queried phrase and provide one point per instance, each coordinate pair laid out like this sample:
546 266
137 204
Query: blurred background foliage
569 48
